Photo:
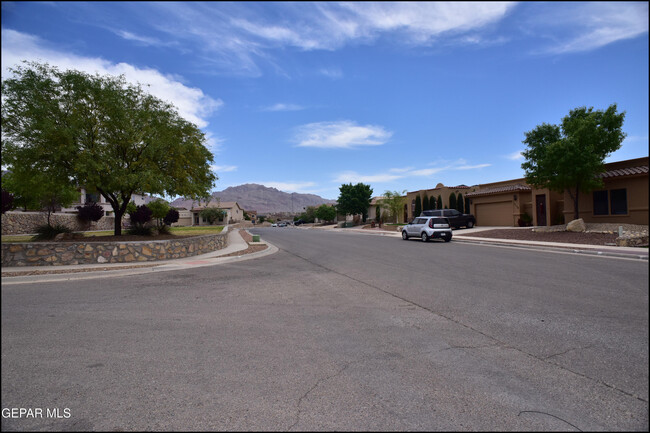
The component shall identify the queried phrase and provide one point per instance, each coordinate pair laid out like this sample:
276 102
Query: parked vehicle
274 225
426 227
282 224
456 219
298 222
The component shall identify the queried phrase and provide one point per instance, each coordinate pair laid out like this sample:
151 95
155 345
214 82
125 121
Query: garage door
494 214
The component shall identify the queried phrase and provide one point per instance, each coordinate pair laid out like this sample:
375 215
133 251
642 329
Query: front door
540 206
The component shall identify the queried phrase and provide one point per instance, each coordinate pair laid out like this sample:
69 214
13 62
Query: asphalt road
336 331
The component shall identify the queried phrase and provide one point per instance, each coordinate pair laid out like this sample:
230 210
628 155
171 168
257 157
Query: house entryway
540 207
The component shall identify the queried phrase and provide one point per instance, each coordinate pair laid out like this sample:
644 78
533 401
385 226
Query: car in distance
456 219
427 227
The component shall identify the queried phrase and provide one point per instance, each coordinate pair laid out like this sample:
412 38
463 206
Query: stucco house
623 199
86 197
233 213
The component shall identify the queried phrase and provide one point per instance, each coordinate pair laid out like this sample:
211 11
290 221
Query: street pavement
237 244
337 331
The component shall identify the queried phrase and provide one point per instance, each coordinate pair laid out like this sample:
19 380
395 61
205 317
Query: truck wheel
470 225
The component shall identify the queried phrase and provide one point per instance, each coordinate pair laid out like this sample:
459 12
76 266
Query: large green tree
354 199
103 134
326 212
569 157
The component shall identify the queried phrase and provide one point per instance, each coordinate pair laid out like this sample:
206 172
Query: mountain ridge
263 199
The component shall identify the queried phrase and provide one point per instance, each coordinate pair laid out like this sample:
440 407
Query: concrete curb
597 250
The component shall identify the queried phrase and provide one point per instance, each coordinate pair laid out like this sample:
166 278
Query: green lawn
181 231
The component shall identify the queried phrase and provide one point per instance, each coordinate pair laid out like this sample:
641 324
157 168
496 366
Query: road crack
316 385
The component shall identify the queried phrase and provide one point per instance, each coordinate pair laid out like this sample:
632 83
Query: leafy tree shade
7 201
100 133
418 206
326 212
394 201
212 214
569 157
354 199
460 203
159 209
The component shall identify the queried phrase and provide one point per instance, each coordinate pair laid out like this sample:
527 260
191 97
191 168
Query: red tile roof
499 190
625 172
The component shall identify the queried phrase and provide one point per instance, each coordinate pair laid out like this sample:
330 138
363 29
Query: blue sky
402 96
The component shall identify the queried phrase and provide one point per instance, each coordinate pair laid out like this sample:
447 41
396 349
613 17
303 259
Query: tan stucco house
234 213
623 199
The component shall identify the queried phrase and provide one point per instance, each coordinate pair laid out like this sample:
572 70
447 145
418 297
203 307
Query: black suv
456 219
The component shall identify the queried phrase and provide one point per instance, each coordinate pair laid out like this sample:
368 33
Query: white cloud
223 168
191 103
402 173
284 107
590 25
515 156
354 177
340 135
334 73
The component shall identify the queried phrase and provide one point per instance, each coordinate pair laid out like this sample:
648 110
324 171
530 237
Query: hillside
262 199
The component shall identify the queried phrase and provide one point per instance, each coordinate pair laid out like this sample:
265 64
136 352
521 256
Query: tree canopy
100 133
569 157
354 199
326 212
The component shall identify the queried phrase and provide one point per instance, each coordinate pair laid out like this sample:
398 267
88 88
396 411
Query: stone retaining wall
80 252
23 223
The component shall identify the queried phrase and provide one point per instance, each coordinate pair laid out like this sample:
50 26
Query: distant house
233 213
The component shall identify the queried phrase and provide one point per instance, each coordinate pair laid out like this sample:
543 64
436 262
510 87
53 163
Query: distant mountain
262 199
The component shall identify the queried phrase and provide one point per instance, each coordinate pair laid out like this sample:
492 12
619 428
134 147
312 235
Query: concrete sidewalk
61 273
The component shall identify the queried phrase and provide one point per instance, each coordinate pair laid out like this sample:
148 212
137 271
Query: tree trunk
118 223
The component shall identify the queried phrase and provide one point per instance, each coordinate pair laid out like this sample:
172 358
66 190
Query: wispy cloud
238 37
340 135
515 156
586 26
402 173
223 168
283 107
191 102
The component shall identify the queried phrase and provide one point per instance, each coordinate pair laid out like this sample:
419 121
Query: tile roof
499 189
625 172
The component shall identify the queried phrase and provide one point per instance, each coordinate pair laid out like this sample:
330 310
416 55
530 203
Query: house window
618 201
600 203
612 202
92 198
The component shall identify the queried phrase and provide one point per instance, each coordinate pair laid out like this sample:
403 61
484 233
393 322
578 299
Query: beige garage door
494 214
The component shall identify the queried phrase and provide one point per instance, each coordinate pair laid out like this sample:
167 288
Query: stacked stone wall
23 223
80 252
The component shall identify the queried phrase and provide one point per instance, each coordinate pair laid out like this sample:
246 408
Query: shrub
525 220
171 217
212 214
90 212
7 201
140 230
141 215
48 232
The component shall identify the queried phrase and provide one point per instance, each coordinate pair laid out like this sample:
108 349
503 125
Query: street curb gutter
577 249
